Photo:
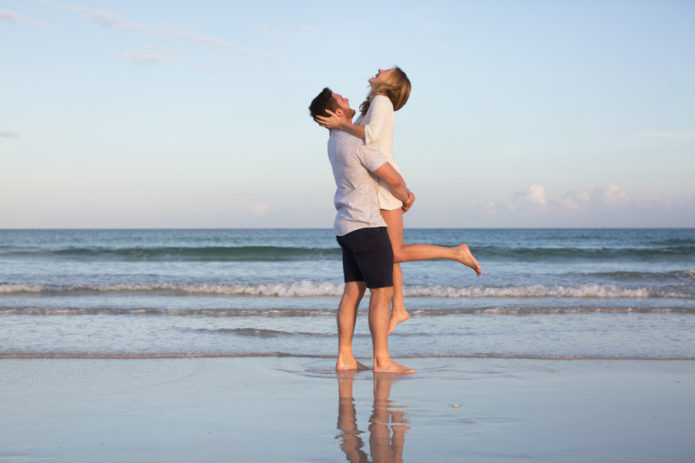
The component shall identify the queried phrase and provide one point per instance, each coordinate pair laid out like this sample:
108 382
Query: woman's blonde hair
396 87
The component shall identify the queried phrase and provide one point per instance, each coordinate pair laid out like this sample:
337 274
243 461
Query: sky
173 114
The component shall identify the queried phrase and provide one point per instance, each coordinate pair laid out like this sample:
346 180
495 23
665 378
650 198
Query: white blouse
379 124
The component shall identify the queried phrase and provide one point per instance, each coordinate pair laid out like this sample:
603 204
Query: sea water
544 293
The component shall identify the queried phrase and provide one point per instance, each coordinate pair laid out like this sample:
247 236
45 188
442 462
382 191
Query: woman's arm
334 122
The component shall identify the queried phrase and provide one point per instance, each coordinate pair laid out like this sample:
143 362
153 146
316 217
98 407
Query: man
362 235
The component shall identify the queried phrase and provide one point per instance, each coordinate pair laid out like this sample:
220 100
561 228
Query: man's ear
339 112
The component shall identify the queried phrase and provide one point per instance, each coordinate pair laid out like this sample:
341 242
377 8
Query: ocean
544 293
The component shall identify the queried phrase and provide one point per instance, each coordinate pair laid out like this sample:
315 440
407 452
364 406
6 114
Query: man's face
344 104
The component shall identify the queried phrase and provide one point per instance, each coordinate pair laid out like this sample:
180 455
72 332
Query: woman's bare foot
466 258
349 364
390 366
397 316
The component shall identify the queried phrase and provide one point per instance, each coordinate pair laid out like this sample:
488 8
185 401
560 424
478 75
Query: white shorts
386 200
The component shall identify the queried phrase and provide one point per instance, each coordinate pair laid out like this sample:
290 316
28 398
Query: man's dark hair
322 102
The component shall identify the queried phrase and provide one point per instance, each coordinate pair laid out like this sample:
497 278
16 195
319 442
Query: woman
389 92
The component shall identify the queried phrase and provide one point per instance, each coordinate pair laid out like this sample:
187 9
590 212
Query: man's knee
354 289
381 294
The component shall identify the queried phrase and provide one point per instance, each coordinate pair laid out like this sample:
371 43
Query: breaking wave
330 289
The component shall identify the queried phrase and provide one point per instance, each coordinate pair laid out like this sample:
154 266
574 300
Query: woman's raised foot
397 317
465 256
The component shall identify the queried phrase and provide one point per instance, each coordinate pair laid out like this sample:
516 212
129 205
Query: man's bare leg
347 315
378 325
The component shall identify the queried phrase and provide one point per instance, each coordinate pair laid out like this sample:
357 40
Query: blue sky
193 114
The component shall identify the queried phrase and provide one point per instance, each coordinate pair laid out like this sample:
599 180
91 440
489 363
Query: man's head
332 101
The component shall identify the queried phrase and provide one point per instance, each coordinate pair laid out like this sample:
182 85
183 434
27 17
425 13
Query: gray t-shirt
356 187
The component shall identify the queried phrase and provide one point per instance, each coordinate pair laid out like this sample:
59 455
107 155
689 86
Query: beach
290 410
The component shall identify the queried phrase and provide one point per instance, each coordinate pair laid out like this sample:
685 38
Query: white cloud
11 16
611 196
576 199
142 58
259 54
105 18
176 34
533 196
182 34
8 134
267 31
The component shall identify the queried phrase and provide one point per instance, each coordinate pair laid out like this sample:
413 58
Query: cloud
141 58
612 195
11 16
600 206
176 34
533 196
8 134
267 31
105 18
576 199
257 53
606 196
183 34
535 200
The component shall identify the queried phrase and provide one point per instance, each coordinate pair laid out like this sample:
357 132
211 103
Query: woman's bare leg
394 220
411 252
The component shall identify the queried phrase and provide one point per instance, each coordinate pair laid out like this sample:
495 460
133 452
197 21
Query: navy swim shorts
368 257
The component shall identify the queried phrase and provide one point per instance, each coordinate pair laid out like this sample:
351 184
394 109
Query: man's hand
408 204
329 122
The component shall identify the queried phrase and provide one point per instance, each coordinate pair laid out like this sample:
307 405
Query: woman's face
380 77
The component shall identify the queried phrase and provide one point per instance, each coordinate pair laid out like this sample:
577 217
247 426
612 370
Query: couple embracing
371 198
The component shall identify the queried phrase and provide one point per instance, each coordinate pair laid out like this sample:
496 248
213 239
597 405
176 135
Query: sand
290 410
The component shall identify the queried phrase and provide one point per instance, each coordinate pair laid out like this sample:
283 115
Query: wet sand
298 410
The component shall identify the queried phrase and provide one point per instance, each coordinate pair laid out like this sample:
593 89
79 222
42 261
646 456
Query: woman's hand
408 204
329 122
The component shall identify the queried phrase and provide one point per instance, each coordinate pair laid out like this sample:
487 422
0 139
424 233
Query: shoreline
175 355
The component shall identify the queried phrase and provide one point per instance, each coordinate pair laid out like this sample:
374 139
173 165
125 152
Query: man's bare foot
349 364
390 366
466 258
397 316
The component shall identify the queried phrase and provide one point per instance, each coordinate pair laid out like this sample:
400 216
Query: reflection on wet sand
387 423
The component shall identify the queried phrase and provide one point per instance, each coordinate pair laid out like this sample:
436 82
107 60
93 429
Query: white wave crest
584 291
12 289
332 289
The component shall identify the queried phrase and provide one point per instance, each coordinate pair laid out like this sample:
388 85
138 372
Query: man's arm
396 184
371 157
